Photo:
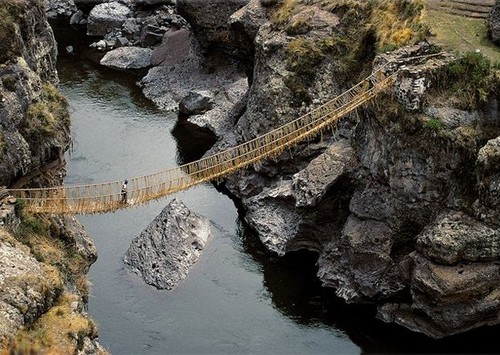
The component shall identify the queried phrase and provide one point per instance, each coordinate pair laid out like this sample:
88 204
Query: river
238 298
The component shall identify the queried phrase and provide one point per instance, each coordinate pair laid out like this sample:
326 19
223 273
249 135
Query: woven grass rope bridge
106 197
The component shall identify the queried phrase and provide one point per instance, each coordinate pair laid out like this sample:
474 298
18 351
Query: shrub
47 116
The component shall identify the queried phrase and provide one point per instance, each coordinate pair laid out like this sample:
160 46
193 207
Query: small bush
433 124
9 82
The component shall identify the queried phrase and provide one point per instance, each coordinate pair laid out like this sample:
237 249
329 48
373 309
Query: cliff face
34 127
392 197
43 261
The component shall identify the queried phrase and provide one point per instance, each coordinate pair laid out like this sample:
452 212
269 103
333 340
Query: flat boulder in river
169 246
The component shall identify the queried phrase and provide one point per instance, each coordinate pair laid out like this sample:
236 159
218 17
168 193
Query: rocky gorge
399 200
43 261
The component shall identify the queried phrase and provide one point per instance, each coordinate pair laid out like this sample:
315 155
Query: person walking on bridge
124 191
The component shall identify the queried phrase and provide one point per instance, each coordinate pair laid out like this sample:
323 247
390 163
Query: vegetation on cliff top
365 27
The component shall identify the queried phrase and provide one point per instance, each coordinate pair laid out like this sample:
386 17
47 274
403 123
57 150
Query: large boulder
127 58
209 19
106 17
169 246
494 23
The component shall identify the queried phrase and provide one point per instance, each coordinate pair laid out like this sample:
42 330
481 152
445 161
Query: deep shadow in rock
192 141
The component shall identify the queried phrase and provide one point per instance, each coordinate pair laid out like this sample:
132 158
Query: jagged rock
55 8
456 237
447 300
228 104
196 102
105 17
312 183
169 246
127 58
209 19
274 218
359 265
494 23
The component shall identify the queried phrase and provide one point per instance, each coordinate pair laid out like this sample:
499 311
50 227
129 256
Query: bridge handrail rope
104 197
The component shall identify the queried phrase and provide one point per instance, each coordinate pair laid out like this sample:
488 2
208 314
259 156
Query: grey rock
312 183
270 215
63 8
122 42
131 27
228 104
127 58
169 246
106 17
447 300
359 265
245 24
196 102
76 18
456 237
494 23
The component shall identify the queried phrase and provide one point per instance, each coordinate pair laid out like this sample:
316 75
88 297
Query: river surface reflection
238 298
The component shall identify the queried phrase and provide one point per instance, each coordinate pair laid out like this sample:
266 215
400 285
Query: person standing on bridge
124 191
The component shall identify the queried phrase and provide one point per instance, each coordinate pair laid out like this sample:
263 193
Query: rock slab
169 246
127 58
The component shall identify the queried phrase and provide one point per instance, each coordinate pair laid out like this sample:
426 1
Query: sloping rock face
169 246
27 95
366 195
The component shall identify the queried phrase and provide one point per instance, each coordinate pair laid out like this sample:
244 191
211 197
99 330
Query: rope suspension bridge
107 197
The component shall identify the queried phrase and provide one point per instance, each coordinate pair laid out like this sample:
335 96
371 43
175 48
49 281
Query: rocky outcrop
169 246
365 196
127 58
494 23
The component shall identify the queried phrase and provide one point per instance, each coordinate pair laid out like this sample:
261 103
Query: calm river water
238 298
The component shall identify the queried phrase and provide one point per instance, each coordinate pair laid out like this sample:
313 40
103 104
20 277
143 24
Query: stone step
467 8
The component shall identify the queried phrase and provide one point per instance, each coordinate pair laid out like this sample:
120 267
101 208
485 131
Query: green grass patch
461 33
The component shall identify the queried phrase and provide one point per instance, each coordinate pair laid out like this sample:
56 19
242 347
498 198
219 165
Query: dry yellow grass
59 331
